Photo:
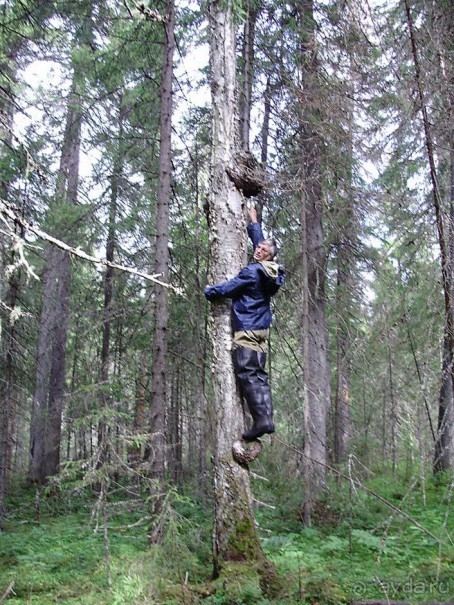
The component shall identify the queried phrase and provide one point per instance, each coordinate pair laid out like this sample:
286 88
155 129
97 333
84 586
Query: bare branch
145 11
7 592
7 211
371 492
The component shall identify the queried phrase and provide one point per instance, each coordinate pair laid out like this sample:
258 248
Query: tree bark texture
159 352
109 276
314 337
234 535
247 71
8 328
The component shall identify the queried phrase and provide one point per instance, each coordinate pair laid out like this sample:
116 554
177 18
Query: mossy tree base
257 580
235 538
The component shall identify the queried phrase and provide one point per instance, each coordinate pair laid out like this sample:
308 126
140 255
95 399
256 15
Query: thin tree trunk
393 411
8 330
139 411
247 72
159 377
342 396
444 444
343 294
200 408
315 349
109 286
444 447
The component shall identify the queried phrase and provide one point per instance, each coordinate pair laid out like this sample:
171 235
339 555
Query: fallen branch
265 504
6 210
369 491
8 591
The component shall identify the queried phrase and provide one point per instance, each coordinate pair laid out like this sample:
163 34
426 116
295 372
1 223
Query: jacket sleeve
255 233
232 287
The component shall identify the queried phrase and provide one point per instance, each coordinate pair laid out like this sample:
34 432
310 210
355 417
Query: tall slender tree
160 349
444 450
313 324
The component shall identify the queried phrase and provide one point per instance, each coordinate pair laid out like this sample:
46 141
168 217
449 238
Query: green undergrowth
357 547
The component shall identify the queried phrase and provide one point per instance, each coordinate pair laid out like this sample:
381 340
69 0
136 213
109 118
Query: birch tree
234 531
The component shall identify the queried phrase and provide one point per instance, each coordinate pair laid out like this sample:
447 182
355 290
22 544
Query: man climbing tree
251 291
234 534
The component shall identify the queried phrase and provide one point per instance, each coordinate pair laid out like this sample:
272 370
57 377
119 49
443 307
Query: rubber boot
253 379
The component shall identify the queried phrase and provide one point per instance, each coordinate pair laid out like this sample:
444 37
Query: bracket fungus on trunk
247 174
246 451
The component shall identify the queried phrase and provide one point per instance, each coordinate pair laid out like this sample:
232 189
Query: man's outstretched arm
232 287
254 228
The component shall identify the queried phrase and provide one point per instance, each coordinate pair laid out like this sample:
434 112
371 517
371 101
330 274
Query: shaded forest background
106 375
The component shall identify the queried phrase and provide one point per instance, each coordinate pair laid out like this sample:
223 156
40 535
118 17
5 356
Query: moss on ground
357 549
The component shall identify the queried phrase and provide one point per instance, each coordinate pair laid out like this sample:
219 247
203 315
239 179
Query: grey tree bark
159 366
247 72
234 536
314 337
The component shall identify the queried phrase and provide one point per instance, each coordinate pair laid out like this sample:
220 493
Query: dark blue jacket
251 290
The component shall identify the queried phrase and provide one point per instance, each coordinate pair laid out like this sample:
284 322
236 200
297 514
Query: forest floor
71 548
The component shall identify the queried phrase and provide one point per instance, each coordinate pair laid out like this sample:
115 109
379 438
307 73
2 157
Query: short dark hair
271 242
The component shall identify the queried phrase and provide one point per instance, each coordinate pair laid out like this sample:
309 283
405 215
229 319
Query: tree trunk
444 444
247 72
344 226
314 337
159 377
109 285
45 433
234 535
135 450
444 447
393 411
8 328
342 396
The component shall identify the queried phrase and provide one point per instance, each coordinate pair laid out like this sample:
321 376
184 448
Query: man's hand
253 214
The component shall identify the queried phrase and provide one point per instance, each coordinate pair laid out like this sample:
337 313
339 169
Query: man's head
265 250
